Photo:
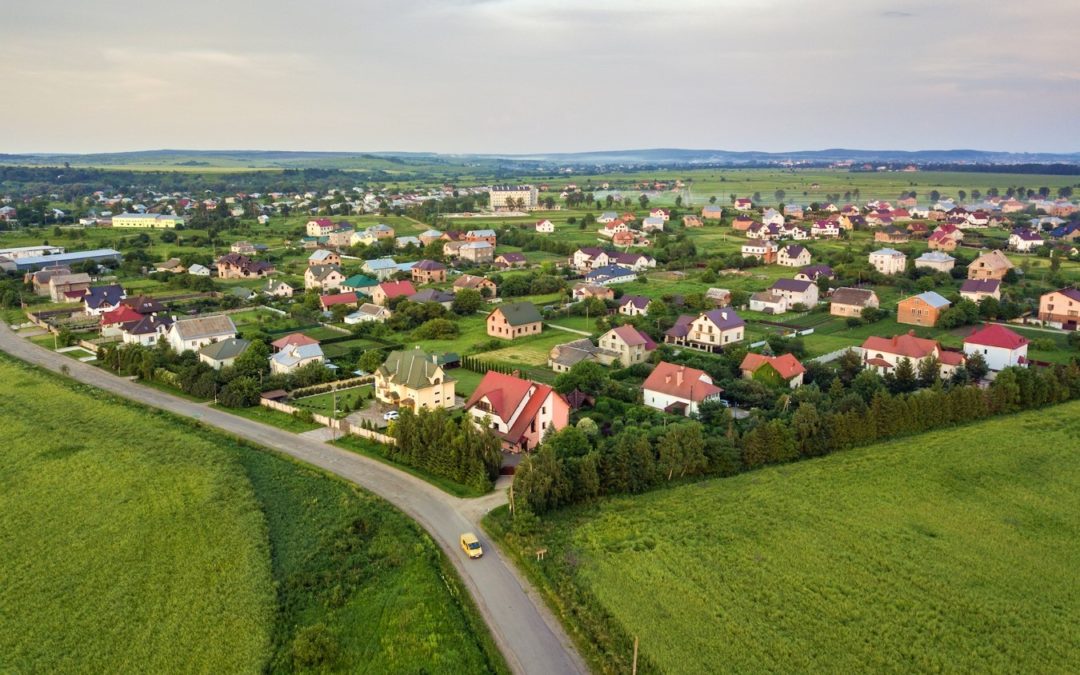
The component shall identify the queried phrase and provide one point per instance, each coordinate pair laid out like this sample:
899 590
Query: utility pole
633 669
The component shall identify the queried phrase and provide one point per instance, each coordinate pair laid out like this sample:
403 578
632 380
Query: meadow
932 553
145 543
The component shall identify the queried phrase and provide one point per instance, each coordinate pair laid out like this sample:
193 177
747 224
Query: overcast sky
520 76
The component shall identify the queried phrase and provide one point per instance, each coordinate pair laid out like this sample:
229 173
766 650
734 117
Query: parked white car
390 416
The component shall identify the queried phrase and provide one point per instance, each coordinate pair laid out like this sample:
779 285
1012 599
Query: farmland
927 554
222 557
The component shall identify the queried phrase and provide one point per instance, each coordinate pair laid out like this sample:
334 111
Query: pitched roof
852 296
294 354
793 250
793 285
100 296
681 382
122 314
432 295
995 259
429 266
519 313
293 339
320 272
393 289
506 393
905 344
147 325
359 281
787 365
994 335
413 368
225 349
980 286
1071 293
206 326
512 257
935 257
933 299
328 301
638 301
470 281
817 271
724 319
633 337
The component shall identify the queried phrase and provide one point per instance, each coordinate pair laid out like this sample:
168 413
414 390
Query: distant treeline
1041 169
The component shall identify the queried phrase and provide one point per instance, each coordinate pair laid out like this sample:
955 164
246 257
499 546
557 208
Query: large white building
525 197
999 346
159 221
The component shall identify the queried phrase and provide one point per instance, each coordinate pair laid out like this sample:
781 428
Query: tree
976 366
902 378
370 360
809 430
644 201
241 392
467 301
929 371
682 450
588 376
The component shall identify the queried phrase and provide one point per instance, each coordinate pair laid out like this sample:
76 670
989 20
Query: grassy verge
377 451
928 553
194 547
272 417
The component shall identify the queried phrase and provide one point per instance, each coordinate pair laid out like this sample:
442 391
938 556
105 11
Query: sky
531 76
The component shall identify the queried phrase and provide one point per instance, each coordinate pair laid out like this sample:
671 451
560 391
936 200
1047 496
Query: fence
344 426
332 386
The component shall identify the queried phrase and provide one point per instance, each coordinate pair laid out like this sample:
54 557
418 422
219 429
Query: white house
191 334
793 255
772 217
888 261
999 346
294 357
545 226
678 389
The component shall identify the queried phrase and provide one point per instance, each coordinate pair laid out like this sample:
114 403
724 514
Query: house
323 277
40 279
761 249
488 236
653 224
977 289
112 323
428 236
765 231
793 255
520 412
772 217
773 369
544 226
323 257
65 286
883 354
565 356
191 334
768 302
692 221
711 212
852 301
381 231
380 268
824 229
610 274
346 299
794 210
607 217
100 299
277 289
412 378
514 320
1061 309
945 238
678 389
170 266
222 354
358 283
939 261
1024 240
796 291
742 223
815 272
1000 347
989 265
888 261
146 331
637 262
291 340
320 227
634 305
428 272
742 204
485 287
710 331
510 260
584 291
892 235
444 298
662 214
197 270
582 259
368 312
479 252
923 309
609 230
631 345
151 221
236 266
388 290
294 356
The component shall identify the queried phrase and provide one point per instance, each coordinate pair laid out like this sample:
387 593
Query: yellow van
471 545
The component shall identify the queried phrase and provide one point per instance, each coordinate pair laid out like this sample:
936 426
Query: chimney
679 376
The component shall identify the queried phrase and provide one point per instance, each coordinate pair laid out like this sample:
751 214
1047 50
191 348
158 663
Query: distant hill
389 161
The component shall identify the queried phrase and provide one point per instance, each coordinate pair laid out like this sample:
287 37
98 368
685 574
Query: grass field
934 553
144 542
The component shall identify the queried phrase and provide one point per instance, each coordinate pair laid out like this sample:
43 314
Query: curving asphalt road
526 632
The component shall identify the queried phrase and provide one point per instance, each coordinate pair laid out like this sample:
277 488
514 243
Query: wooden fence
344 426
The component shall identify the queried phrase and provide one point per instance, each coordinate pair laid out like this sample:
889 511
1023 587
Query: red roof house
518 411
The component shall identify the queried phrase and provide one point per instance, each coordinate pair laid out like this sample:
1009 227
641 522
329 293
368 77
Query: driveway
528 635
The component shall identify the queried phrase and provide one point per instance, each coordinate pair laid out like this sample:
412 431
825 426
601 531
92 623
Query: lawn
147 541
323 404
932 553
272 417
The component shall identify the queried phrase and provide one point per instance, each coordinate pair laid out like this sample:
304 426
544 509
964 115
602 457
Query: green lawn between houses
931 553
202 554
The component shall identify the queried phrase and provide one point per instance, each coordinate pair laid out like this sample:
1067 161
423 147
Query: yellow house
413 379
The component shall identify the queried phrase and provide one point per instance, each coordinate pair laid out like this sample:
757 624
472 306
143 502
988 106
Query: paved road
527 633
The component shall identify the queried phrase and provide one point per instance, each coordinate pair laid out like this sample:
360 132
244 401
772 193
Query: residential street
527 633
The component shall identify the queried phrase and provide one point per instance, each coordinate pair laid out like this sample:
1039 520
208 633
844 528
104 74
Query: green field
934 553
144 543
